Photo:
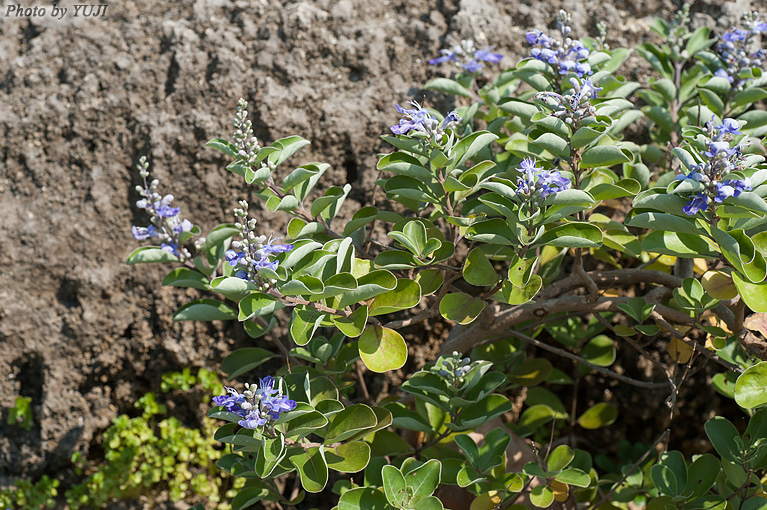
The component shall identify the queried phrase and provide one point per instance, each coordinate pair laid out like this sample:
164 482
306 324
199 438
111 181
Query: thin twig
601 370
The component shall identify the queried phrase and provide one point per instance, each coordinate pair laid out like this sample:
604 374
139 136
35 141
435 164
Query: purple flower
231 401
252 420
544 181
698 203
579 49
723 191
486 55
715 148
472 66
734 35
276 406
447 56
143 233
739 186
728 127
265 263
547 179
170 247
695 176
183 226
450 118
760 27
233 257
242 275
413 120
582 69
589 89
723 74
270 248
265 388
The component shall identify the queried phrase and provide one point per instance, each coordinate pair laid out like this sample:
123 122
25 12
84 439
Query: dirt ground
81 99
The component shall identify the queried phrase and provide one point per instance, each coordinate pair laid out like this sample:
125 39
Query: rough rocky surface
81 99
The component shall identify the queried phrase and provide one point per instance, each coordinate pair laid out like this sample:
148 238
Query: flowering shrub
526 221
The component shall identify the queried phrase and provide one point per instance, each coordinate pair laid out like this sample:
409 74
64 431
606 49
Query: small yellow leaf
679 351
700 266
719 285
561 490
486 501
622 330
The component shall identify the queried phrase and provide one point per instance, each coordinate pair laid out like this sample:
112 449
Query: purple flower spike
698 203
729 127
486 55
252 420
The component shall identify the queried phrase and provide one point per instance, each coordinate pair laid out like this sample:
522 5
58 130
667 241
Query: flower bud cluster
535 184
259 405
567 55
574 105
244 141
419 121
252 252
736 50
453 368
466 57
721 159
165 225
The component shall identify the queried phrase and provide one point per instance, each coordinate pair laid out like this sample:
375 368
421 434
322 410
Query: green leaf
572 235
185 277
394 486
150 254
494 231
600 351
352 325
204 310
430 280
598 416
405 295
663 221
605 155
258 304
245 360
483 411
574 476
363 498
349 457
248 496
224 146
751 386
701 475
478 270
448 87
553 143
461 308
542 496
749 96
304 322
722 435
530 373
515 295
286 147
469 146
350 421
424 480
678 245
369 285
665 480
312 468
560 458
754 294
382 349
